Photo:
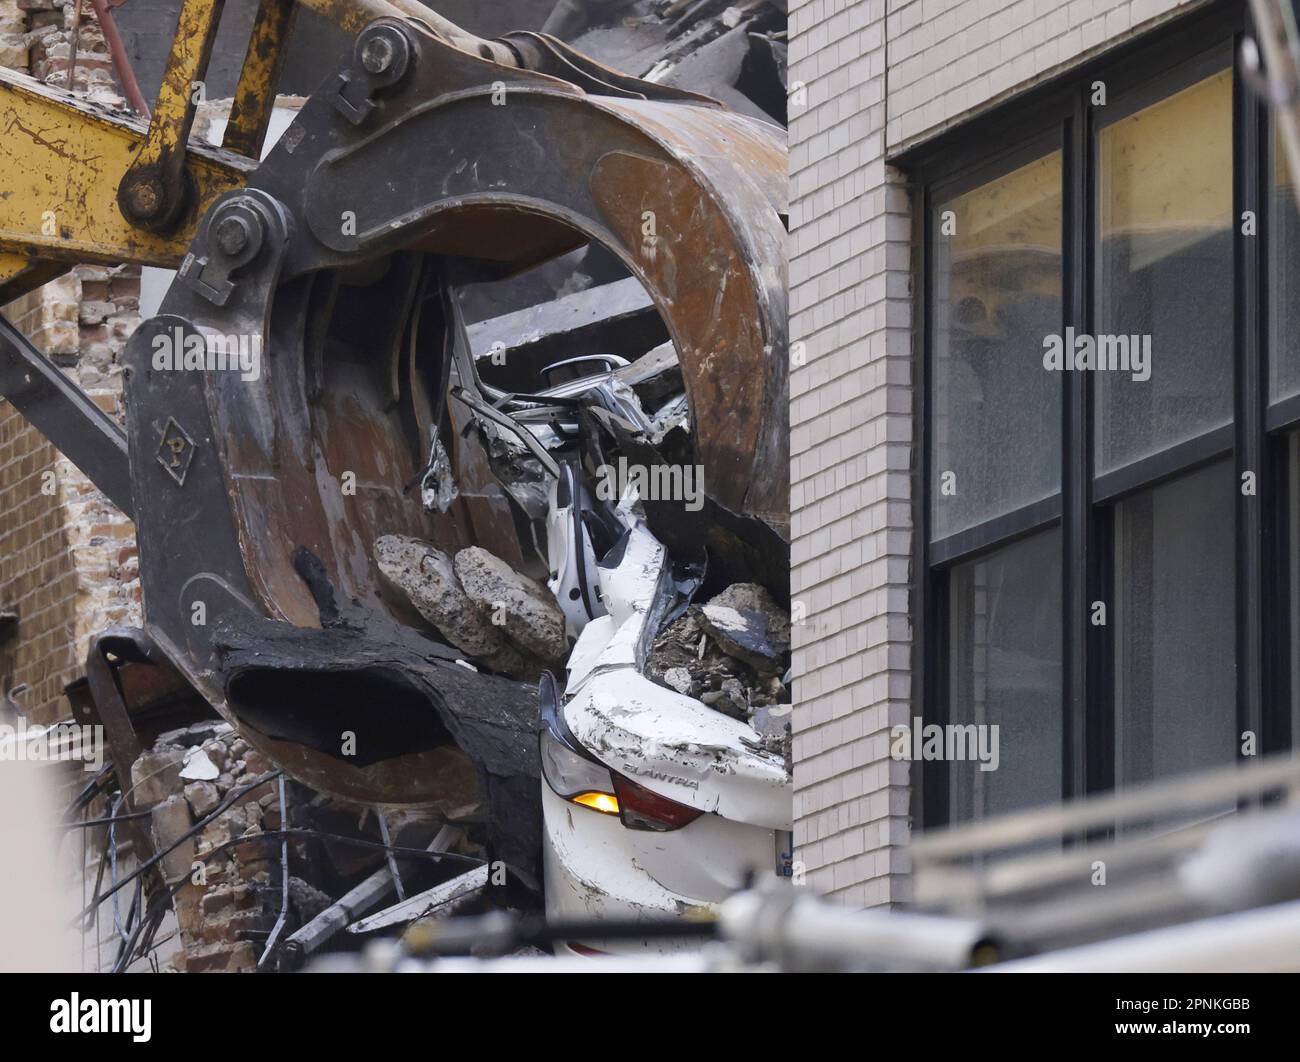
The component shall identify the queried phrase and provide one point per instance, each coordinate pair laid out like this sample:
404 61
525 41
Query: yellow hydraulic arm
81 183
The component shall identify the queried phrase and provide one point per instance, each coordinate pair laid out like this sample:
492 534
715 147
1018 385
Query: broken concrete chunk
773 721
521 607
679 679
730 699
202 797
747 624
155 775
171 819
428 579
198 766
684 647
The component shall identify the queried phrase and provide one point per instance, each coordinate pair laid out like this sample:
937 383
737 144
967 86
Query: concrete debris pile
497 617
733 654
220 873
222 832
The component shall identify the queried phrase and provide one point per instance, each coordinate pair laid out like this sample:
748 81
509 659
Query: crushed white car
654 803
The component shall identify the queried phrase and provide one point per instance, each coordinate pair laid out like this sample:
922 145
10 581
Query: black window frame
1136 74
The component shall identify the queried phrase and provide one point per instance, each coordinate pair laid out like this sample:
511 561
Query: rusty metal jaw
415 156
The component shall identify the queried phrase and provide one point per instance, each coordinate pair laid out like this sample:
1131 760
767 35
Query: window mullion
1249 399
1075 470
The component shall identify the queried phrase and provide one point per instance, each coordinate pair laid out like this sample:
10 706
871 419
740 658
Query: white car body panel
671 744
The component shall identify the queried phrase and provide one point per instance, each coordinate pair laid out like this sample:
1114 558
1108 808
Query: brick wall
48 40
68 564
67 555
949 59
37 580
869 78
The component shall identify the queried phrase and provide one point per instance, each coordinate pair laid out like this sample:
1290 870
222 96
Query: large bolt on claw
384 52
377 54
232 234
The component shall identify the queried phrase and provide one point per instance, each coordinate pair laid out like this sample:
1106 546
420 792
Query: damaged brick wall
37 577
226 895
68 564
225 879
48 38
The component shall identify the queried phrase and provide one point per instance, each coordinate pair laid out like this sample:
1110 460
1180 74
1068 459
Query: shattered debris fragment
202 797
773 724
155 775
729 699
728 653
522 607
198 766
707 46
678 678
748 624
438 487
171 821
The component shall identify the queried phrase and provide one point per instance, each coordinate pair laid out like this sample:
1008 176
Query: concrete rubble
746 623
731 653
216 892
499 618
222 844
524 609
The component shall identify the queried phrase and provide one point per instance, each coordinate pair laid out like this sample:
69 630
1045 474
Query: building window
1175 659
1005 608
1110 316
1284 278
997 441
1164 250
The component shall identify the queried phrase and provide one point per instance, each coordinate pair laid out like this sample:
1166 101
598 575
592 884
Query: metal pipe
121 61
358 901
784 927
1263 939
388 855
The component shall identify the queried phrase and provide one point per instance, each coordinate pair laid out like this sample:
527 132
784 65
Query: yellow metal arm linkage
80 183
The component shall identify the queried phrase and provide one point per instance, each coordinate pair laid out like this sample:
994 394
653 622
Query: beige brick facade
869 79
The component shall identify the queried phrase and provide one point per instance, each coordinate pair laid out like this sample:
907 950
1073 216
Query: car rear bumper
598 869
